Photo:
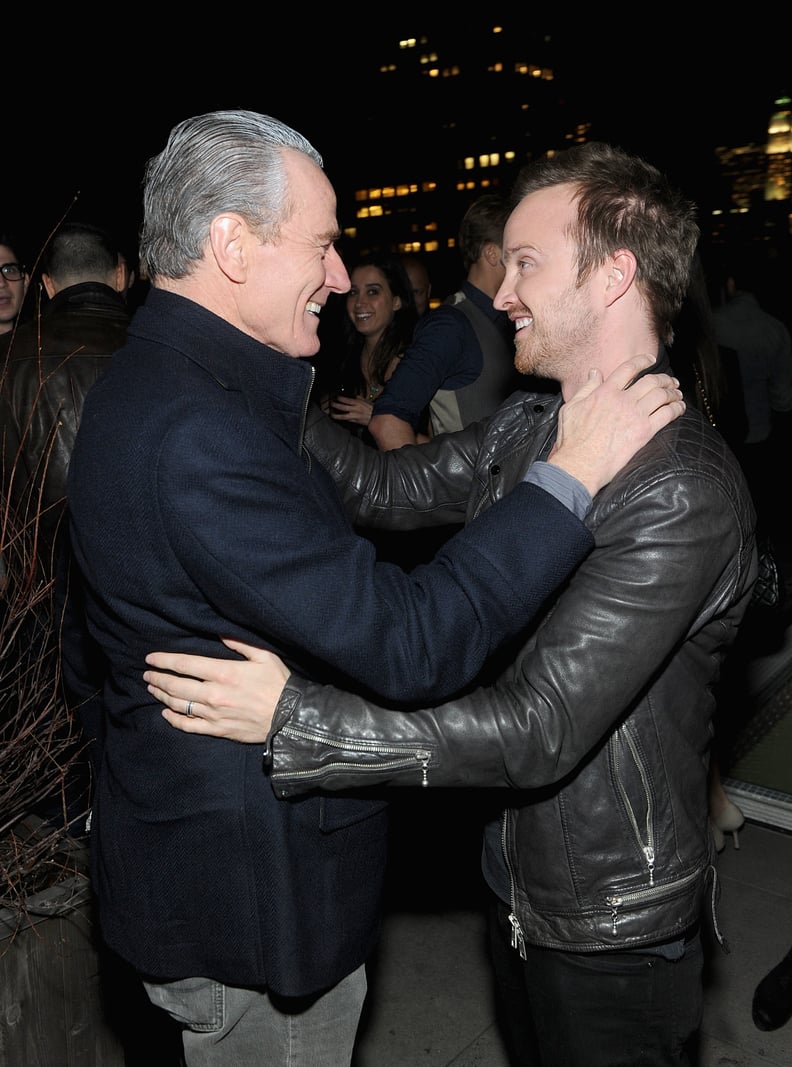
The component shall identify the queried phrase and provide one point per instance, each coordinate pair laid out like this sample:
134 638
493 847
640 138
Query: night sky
90 115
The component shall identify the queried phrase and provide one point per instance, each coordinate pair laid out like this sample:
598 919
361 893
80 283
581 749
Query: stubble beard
555 352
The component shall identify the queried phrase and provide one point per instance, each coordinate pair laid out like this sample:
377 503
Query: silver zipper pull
423 758
517 939
649 852
615 903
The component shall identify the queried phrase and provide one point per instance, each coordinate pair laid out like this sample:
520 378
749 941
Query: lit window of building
458 124
778 185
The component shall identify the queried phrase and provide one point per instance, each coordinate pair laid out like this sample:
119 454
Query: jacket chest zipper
647 842
517 936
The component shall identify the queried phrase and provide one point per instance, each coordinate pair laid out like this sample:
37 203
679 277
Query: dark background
85 104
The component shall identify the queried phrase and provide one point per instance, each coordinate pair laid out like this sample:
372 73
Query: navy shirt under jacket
445 354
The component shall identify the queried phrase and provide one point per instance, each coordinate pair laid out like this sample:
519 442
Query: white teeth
519 324
313 308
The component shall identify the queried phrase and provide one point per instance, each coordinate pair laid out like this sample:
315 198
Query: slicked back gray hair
220 161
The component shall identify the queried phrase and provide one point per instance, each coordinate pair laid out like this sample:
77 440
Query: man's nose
336 277
503 298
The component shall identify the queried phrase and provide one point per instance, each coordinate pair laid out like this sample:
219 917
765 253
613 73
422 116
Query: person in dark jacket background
599 725
195 511
52 362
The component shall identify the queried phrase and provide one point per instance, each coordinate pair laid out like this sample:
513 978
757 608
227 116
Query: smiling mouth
313 308
522 322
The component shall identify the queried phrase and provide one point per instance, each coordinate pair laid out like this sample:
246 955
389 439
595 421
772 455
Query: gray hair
220 161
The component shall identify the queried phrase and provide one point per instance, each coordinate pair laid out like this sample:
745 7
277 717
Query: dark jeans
599 1009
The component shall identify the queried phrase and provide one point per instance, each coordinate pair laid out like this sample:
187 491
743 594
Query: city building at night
464 114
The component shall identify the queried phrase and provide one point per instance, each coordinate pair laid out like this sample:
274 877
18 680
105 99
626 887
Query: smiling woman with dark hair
378 327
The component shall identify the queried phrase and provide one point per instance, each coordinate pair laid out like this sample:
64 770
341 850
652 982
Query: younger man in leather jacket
601 864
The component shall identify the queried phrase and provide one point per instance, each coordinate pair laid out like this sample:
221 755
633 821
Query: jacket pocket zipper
639 896
404 757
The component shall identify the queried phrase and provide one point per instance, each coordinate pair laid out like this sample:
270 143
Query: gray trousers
225 1026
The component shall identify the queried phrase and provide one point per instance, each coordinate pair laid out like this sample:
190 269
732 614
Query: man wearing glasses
14 281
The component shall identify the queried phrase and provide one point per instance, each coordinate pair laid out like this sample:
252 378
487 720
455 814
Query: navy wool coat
196 513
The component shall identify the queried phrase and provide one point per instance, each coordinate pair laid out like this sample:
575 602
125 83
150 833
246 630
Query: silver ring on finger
189 707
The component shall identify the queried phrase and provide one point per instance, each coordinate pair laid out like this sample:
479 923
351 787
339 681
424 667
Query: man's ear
620 270
122 277
228 236
48 284
492 253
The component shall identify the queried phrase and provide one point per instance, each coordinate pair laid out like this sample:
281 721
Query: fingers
179 694
663 383
229 726
626 372
352 409
624 377
189 724
172 686
187 714
251 652
599 434
202 667
664 414
655 391
231 698
588 387
209 668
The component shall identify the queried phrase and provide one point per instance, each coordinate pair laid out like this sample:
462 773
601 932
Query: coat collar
95 296
233 358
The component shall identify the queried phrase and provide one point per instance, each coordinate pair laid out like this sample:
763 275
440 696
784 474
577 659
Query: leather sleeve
414 486
671 570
